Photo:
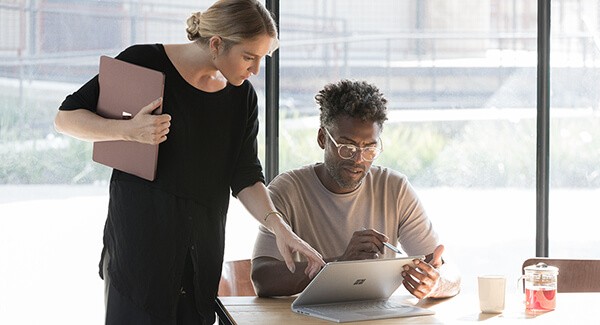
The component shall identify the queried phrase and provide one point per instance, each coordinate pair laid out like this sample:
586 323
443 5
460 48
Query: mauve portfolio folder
124 89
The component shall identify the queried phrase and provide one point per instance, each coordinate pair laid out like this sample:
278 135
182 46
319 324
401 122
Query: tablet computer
357 290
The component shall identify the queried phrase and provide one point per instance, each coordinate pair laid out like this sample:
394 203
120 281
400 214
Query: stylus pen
388 245
392 247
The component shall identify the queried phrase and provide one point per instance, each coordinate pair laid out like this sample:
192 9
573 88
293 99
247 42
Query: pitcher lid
542 267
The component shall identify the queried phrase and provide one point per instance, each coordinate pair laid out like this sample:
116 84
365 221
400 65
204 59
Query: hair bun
193 29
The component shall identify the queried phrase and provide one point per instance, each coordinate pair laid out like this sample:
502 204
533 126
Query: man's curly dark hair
357 99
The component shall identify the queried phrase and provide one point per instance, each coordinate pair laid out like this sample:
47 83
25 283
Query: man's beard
345 183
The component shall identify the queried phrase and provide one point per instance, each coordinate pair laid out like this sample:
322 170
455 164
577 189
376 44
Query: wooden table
572 309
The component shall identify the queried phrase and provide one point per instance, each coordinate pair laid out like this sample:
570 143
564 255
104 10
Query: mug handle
521 283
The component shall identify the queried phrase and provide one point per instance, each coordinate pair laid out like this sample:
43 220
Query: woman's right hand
149 128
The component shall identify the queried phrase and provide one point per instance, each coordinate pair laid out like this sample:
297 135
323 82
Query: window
53 198
574 129
462 120
461 86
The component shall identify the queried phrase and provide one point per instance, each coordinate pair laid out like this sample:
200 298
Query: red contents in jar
542 299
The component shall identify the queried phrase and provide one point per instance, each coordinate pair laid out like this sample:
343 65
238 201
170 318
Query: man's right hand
364 244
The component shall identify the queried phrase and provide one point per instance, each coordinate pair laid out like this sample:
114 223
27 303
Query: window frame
542 130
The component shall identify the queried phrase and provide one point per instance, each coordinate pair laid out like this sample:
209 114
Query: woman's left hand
288 243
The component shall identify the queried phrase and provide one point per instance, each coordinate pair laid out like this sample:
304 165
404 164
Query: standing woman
164 239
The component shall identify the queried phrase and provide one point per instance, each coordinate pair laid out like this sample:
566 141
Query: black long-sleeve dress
211 149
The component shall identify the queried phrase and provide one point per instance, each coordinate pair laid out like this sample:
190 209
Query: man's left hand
422 280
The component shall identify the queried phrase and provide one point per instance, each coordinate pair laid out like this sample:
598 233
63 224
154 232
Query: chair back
573 275
235 279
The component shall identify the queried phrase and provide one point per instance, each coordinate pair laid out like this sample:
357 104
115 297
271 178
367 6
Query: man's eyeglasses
348 151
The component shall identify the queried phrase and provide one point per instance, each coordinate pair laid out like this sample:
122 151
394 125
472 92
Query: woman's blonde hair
234 21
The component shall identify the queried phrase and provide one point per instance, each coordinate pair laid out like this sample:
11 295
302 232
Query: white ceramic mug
492 289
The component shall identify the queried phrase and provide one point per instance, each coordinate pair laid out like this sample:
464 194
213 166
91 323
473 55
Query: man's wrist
434 290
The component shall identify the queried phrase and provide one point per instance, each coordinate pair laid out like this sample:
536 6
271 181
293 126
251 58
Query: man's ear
321 138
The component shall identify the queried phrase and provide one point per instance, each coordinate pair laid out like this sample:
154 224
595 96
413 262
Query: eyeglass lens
368 153
348 151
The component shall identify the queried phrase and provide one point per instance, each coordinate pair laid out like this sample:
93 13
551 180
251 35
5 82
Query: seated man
346 208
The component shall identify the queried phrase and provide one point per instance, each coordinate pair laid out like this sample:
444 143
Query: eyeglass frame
355 149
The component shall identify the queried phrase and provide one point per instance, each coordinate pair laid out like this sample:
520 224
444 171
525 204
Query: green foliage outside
478 153
31 152
483 154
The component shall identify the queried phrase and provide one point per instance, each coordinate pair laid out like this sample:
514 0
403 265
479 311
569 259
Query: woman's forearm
85 125
144 127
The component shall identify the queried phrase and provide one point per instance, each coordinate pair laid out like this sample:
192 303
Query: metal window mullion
543 128
272 104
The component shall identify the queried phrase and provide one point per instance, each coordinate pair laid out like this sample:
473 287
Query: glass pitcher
541 281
